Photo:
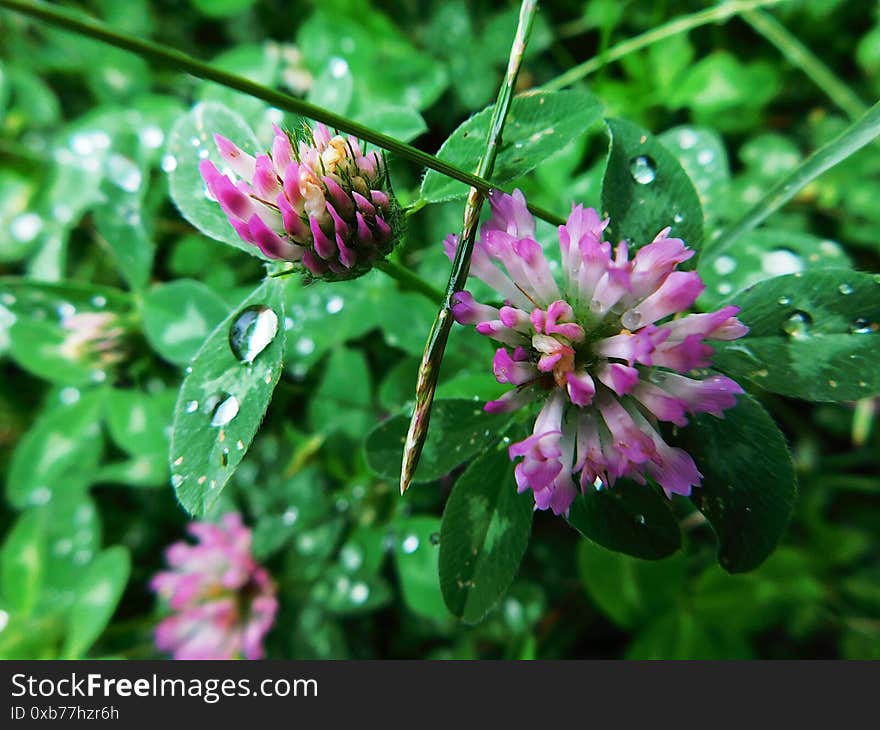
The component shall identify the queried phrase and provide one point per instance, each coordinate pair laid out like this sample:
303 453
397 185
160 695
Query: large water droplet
643 169
798 325
631 319
222 408
781 262
252 332
861 326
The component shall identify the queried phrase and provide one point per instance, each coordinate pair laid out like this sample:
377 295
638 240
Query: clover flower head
315 198
222 602
606 349
93 337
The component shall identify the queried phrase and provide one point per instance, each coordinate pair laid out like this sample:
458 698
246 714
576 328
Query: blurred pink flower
222 602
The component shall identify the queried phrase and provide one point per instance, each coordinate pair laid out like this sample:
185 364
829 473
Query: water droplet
687 139
797 325
239 445
725 287
195 141
410 544
69 396
192 406
781 262
124 173
169 163
631 319
252 332
4 620
176 480
435 538
704 157
360 592
640 519
598 484
784 300
290 516
677 218
862 326
40 495
643 169
65 310
335 304
338 67
98 376
152 137
99 301
724 265
24 228
305 346
351 557
845 289
224 458
222 408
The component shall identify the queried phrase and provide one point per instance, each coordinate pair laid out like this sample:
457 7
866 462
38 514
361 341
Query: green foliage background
86 221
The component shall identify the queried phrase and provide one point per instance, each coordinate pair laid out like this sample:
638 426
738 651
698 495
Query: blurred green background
86 225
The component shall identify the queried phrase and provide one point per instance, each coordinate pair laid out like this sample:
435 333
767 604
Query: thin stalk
172 58
852 139
682 24
804 59
429 370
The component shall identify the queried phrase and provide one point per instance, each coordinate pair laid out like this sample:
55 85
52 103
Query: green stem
177 60
408 280
679 25
852 139
802 57
429 370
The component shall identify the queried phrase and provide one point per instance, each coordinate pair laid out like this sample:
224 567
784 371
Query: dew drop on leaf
410 544
252 332
222 408
845 289
861 326
643 169
797 325
360 592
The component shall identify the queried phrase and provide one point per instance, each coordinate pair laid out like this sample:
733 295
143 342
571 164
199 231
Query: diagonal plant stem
167 57
682 24
429 370
852 139
802 57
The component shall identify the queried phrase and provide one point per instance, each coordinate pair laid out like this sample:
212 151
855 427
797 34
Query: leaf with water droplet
207 436
23 562
630 518
645 188
416 560
185 182
539 125
178 316
460 429
59 453
748 487
821 345
762 254
483 536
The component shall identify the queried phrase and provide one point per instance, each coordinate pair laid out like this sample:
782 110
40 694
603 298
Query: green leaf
459 430
222 390
191 137
347 594
221 8
97 596
342 402
416 557
73 536
138 421
748 488
814 335
483 536
681 635
179 316
539 125
646 189
23 563
630 591
763 254
628 518
703 157
58 454
400 122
